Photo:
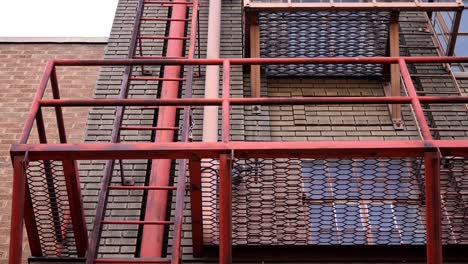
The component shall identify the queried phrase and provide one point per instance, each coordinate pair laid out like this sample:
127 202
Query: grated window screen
323 34
363 202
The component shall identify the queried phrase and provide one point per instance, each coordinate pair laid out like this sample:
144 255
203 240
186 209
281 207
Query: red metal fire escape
58 162
154 222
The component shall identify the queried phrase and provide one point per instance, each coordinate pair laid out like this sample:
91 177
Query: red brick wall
21 67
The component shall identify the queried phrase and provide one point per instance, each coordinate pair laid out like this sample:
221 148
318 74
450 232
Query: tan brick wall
21 67
334 122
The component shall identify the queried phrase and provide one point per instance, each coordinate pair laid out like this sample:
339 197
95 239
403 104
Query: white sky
56 18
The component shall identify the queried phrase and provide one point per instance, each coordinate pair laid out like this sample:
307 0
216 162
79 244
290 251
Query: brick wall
21 67
351 122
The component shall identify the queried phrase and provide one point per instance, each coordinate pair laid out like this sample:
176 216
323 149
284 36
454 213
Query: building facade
287 203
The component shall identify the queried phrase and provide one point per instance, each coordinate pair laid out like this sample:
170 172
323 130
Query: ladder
137 44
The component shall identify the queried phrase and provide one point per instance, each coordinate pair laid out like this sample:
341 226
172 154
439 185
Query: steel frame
291 6
226 150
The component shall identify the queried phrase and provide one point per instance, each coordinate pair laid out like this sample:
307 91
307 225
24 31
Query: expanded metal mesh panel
323 34
331 202
454 188
49 199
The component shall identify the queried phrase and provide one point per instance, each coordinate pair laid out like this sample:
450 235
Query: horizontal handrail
187 150
227 101
261 61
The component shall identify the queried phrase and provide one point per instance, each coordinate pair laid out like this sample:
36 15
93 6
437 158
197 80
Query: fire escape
47 194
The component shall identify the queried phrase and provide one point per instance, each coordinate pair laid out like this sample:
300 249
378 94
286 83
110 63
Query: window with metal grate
363 201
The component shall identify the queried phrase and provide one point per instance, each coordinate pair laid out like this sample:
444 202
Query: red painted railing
23 152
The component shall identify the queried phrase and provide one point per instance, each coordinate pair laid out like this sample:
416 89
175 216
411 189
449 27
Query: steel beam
75 200
17 211
395 88
433 208
249 61
254 38
225 209
254 101
179 150
453 37
196 206
34 239
369 6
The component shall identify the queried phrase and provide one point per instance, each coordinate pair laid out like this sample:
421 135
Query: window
443 23
356 202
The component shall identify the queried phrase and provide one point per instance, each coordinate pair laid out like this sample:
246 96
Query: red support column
31 225
17 211
72 181
225 210
433 208
58 110
196 206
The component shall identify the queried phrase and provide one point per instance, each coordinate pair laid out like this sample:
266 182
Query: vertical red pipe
153 236
17 212
225 212
225 105
196 207
433 208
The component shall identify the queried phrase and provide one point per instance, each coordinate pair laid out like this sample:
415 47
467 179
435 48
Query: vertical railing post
58 109
60 233
395 87
226 105
433 208
453 37
225 166
225 210
196 206
17 211
35 106
72 181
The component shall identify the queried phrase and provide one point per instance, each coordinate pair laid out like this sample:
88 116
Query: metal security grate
454 186
371 201
323 34
333 202
49 199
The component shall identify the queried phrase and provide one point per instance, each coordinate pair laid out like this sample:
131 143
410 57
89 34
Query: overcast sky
56 18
